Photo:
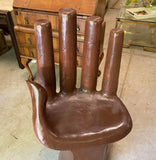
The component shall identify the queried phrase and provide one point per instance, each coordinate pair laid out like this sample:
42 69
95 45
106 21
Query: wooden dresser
28 11
6 23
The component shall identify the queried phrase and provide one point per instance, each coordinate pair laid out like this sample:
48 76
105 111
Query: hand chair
81 121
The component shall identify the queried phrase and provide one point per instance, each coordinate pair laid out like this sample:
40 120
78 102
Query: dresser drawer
28 51
27 19
26 38
31 53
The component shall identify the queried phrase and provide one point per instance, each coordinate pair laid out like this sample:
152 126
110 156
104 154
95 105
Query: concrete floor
137 89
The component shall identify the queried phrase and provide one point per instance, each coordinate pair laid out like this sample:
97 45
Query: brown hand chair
82 120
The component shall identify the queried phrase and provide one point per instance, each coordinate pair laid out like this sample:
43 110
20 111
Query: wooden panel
81 26
56 57
80 48
79 61
27 19
28 51
81 6
26 38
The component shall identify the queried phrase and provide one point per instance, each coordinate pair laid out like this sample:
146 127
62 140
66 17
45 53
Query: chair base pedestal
85 153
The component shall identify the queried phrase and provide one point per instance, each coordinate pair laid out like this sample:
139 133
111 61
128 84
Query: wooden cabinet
27 13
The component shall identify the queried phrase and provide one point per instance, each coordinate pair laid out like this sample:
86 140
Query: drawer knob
15 12
78 50
26 20
32 53
78 27
29 40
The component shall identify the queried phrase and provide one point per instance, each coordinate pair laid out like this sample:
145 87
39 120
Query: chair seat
83 115
83 119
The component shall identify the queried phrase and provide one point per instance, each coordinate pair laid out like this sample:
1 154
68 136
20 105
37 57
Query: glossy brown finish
91 53
90 153
85 153
67 49
78 121
111 73
45 56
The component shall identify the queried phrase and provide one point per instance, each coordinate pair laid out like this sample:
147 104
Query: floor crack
13 136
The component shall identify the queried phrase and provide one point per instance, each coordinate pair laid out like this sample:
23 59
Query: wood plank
81 6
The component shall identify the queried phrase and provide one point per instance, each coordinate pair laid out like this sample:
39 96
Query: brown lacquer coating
85 153
90 153
112 67
91 53
67 48
78 121
45 56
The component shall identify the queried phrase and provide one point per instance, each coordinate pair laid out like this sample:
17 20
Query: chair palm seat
81 120
84 115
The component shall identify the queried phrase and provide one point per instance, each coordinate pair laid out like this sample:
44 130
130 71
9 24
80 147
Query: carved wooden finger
91 53
113 59
67 47
45 56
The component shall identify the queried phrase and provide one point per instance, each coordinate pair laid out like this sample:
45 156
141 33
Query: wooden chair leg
85 153
25 62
